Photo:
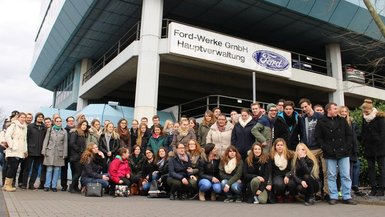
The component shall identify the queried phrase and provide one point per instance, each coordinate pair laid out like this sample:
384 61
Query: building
157 54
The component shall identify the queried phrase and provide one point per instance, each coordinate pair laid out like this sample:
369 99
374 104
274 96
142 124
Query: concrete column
333 55
85 65
146 94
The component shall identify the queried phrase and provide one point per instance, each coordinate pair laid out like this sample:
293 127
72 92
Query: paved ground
47 204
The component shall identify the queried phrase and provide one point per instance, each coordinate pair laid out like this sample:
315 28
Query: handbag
122 191
154 191
134 189
94 190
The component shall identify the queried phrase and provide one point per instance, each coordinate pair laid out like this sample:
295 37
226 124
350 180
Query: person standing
220 134
64 170
263 130
334 136
241 136
35 138
124 134
204 127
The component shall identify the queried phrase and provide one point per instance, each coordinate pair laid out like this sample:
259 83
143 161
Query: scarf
123 132
108 138
160 163
183 158
221 129
230 166
194 159
280 161
183 132
368 118
258 116
155 136
290 121
244 123
22 126
56 128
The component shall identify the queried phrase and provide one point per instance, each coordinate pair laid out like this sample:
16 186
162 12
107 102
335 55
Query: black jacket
177 168
93 169
148 168
136 164
256 169
209 169
373 136
77 146
113 145
291 134
35 139
242 138
302 167
133 137
334 135
275 171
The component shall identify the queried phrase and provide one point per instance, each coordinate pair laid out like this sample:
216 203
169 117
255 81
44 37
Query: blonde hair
348 118
286 152
310 155
368 104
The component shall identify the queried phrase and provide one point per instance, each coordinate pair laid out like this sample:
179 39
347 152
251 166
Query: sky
19 22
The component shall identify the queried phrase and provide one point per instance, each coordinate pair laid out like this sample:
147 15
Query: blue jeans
355 173
55 177
103 182
206 185
344 170
235 188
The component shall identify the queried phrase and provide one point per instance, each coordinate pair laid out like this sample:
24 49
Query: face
137 151
144 121
272 113
47 123
22 119
125 155
155 121
176 126
192 145
280 106
97 125
288 110
255 109
82 118
217 112
123 124
162 153
70 122
28 119
207 117
244 116
184 125
170 125
106 123
343 112
279 147
333 111
366 111
83 126
319 109
135 125
39 119
301 150
257 151
306 108
191 124
143 129
180 149
110 128
232 154
157 130
233 115
221 121
149 154
58 122
95 149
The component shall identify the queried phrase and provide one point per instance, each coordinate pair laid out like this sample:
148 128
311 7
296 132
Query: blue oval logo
270 60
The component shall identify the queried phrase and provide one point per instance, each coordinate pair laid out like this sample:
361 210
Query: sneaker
228 200
349 202
238 200
46 189
310 202
332 201
256 201
339 194
54 189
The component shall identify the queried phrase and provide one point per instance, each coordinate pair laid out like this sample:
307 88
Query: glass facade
65 89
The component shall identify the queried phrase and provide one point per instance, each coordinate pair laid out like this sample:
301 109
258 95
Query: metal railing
375 80
311 64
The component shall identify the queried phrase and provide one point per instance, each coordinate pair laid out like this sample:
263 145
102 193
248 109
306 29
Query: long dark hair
225 158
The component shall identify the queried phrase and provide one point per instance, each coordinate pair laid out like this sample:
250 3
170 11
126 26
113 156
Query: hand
286 180
144 181
120 181
268 187
264 144
304 184
104 177
261 179
189 170
128 176
101 154
258 192
184 181
109 154
226 188
193 177
25 154
215 180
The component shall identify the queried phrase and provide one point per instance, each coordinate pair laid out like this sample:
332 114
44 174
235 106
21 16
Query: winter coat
242 138
196 165
289 133
93 169
16 137
136 164
208 170
353 157
263 130
235 174
156 143
256 169
35 138
133 137
334 136
177 168
125 141
113 145
302 167
55 147
163 170
203 130
148 168
222 140
310 140
76 147
182 139
373 136
119 168
275 171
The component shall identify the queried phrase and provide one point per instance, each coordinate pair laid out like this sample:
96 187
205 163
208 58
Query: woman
136 162
109 143
241 136
193 125
256 173
149 166
287 125
16 138
124 134
373 139
344 112
142 137
196 155
204 127
183 134
179 174
134 132
54 151
95 129
305 172
78 138
209 173
230 172
168 132
93 162
119 170
161 172
157 139
281 159
220 134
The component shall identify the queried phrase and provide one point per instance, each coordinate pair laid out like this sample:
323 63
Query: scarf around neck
280 161
230 166
368 118
183 158
244 123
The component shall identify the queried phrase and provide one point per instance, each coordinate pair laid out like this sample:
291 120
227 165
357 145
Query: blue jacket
177 168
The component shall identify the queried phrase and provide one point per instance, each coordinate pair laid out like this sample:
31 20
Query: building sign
210 46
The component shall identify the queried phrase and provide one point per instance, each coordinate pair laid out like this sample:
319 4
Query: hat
14 113
269 106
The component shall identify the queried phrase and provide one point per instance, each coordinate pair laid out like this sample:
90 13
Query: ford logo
270 60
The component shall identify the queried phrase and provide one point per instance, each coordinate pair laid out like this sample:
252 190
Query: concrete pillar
146 94
333 55
85 65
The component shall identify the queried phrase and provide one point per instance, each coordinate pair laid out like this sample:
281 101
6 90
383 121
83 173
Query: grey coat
55 147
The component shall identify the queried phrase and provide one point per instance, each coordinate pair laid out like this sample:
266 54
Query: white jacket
16 137
222 140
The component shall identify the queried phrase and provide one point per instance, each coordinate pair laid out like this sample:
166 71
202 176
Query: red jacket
119 168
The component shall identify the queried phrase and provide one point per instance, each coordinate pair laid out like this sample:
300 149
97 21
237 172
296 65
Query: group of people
262 156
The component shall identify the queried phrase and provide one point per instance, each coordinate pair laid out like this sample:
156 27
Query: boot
213 196
8 185
202 196
279 199
380 192
373 191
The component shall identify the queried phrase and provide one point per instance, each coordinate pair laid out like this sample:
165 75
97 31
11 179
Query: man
217 111
29 118
256 111
35 137
262 131
335 137
47 122
155 121
280 103
318 108
70 121
309 121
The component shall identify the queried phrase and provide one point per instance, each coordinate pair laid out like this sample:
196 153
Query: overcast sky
18 27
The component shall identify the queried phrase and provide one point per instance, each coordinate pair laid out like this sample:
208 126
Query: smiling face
279 147
192 145
84 126
257 150
162 153
110 128
288 110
